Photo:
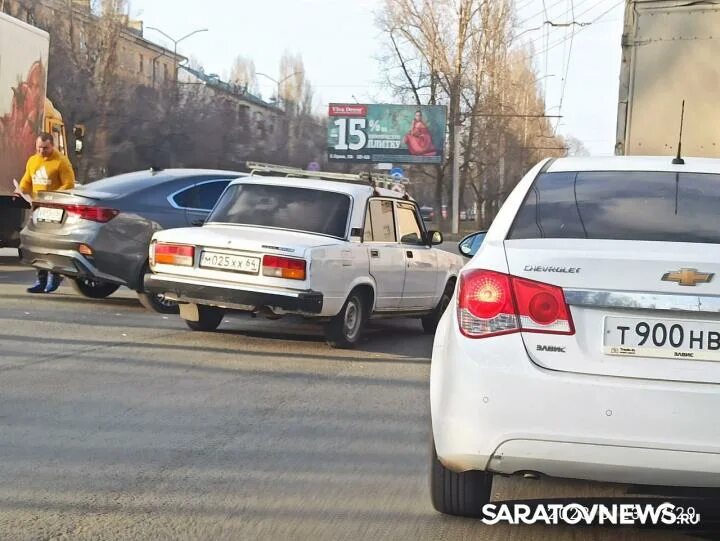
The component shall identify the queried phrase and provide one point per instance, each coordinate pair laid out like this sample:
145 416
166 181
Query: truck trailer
25 111
670 52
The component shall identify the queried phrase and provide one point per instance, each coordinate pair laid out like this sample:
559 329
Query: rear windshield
677 207
284 207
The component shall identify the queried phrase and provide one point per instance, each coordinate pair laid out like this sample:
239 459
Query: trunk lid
61 212
640 309
245 246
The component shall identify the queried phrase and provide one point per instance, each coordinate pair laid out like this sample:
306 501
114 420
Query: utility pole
501 171
456 180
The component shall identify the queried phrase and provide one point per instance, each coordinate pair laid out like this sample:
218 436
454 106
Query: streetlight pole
175 43
280 82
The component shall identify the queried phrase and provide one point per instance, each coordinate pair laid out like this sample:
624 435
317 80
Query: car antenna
677 160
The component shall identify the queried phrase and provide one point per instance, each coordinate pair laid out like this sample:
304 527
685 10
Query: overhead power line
560 42
567 71
523 21
575 17
554 18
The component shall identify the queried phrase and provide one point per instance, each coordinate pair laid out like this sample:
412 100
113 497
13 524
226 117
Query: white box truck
24 112
670 52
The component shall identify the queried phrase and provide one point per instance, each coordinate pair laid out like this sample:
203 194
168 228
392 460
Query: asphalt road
120 424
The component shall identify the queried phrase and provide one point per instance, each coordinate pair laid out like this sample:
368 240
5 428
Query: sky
340 44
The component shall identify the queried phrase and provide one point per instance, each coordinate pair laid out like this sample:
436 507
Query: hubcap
352 319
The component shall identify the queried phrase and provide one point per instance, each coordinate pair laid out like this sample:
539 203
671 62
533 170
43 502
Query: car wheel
430 322
93 289
344 330
156 302
210 318
462 494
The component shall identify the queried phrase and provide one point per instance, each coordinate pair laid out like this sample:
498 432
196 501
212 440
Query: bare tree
460 53
439 51
575 147
305 131
242 73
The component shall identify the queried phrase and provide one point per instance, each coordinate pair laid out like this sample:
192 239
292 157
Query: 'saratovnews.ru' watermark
620 514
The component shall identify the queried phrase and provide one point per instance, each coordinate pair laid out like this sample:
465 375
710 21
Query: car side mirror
434 238
471 244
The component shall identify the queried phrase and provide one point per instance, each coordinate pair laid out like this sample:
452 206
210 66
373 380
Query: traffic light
79 134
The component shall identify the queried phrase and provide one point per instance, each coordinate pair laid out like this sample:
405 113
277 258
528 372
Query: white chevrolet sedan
584 337
334 248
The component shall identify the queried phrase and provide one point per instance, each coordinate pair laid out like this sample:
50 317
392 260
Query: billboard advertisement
377 133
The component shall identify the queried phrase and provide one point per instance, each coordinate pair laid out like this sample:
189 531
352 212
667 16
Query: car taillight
485 304
94 214
492 303
284 267
172 254
542 307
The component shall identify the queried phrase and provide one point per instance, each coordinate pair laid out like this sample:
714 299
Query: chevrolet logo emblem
688 277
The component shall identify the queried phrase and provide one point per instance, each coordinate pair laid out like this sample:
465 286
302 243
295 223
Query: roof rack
376 180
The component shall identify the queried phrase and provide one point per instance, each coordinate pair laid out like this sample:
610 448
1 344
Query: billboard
376 133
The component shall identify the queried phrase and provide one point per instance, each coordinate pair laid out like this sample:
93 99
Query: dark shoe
38 286
53 282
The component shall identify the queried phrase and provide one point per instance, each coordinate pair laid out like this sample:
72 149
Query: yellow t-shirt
47 174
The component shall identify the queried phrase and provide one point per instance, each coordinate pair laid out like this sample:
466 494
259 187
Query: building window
142 64
166 75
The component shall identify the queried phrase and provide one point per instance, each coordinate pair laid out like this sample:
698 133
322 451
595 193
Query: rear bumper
115 259
494 410
66 262
201 292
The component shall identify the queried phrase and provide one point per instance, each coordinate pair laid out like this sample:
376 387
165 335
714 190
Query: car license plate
49 214
237 263
664 338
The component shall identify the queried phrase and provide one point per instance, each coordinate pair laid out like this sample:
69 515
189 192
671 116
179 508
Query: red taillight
94 214
86 212
284 267
173 254
542 307
485 304
492 303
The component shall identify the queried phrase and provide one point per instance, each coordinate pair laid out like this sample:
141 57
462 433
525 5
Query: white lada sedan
341 251
584 335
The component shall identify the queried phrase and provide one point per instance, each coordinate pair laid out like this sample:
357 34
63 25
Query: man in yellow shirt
46 170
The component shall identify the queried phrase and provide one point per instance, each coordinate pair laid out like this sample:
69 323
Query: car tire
93 289
430 322
461 494
156 302
345 329
210 318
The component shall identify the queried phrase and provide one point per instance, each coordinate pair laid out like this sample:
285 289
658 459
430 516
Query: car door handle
199 221
410 254
374 253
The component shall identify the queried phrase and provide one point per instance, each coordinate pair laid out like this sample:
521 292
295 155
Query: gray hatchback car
98 234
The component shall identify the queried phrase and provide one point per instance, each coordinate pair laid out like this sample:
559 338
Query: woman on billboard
419 139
